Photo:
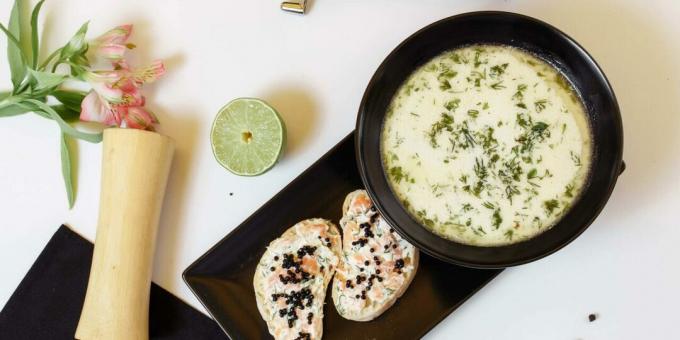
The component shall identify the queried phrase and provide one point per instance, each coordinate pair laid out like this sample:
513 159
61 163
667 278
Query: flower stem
49 58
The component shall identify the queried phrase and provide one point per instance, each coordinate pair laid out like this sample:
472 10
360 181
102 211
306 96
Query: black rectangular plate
222 277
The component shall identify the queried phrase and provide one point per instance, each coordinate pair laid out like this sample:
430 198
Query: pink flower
112 44
116 99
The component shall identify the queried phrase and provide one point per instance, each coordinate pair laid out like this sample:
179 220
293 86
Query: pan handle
622 168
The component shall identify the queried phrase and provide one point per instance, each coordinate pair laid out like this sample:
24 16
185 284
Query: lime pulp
247 136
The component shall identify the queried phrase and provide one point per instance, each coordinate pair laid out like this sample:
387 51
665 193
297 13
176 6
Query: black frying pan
546 42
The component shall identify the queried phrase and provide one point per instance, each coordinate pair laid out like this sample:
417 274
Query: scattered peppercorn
592 317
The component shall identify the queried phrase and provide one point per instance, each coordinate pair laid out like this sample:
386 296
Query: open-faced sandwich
376 266
292 276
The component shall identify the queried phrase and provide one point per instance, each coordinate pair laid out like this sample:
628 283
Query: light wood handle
135 167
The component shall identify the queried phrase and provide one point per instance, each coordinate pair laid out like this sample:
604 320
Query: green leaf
65 127
66 170
13 110
66 113
43 81
9 105
35 38
76 47
18 53
70 99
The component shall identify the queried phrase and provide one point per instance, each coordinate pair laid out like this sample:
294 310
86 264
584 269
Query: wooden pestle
135 167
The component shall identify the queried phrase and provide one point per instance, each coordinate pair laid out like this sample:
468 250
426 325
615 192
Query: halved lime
247 136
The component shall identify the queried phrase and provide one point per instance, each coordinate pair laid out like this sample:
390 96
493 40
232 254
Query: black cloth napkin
47 303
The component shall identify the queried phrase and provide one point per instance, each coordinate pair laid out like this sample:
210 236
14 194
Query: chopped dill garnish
498 70
569 190
398 174
540 105
458 59
575 158
445 122
508 234
497 219
480 169
452 104
477 59
488 205
519 94
550 206
473 113
497 85
444 78
533 173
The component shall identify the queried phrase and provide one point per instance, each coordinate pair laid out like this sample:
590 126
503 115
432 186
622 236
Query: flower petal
110 51
93 109
117 35
139 118
105 84
112 44
149 74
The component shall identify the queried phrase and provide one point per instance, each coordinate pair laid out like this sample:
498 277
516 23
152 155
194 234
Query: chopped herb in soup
486 145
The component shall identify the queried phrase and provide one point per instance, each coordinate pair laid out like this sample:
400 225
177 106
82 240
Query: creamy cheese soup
486 145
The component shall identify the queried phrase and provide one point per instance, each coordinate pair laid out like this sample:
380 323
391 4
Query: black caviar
304 336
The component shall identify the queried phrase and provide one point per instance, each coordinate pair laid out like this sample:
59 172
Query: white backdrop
314 69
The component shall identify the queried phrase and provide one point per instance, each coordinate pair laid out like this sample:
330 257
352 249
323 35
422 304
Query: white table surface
314 69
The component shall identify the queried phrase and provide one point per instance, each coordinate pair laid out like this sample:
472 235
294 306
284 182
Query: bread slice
376 266
292 277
